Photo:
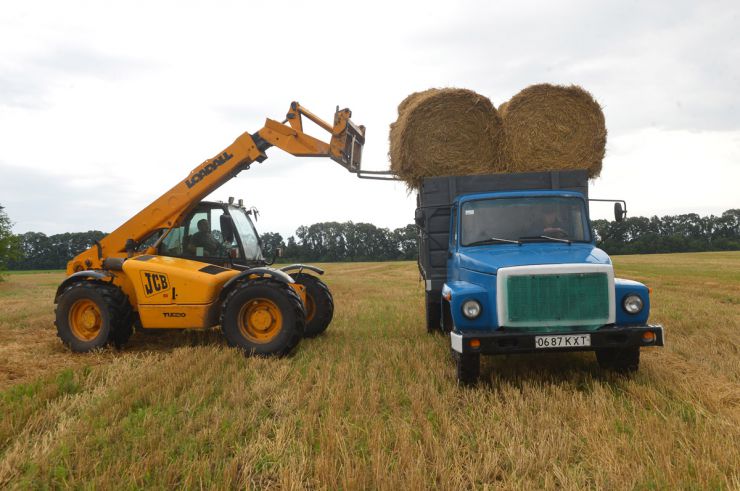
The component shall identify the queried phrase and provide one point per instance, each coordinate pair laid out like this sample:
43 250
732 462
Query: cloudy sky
105 105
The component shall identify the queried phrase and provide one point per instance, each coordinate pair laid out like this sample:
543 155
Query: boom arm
344 147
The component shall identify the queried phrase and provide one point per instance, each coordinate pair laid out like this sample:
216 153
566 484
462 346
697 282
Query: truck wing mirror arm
620 207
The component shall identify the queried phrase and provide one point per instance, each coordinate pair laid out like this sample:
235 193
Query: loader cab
217 233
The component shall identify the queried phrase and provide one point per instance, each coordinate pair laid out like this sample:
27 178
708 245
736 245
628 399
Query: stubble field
374 403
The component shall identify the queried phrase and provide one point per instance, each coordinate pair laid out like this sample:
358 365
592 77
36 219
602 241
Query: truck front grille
557 299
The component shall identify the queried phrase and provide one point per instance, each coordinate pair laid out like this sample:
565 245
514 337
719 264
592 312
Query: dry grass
373 403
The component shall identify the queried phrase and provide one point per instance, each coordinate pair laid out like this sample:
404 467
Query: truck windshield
543 218
247 234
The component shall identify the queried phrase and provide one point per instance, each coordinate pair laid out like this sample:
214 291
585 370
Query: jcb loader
186 263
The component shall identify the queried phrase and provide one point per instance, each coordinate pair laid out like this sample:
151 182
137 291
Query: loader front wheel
90 315
319 304
263 317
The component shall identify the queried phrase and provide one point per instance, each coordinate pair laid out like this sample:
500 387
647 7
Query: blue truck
510 265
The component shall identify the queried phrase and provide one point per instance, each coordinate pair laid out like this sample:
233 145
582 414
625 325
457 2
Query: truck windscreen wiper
493 239
554 239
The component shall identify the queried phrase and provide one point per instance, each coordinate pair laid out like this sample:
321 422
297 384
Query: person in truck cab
552 224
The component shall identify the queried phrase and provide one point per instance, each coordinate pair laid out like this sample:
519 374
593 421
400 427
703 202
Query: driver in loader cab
203 238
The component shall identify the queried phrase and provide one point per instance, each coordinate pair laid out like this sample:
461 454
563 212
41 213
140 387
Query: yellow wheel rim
260 320
85 320
310 308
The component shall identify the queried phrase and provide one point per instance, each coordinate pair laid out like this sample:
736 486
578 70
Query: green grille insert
558 298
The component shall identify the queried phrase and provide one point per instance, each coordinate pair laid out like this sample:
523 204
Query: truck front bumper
506 342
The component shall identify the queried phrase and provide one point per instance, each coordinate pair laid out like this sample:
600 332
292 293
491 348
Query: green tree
8 241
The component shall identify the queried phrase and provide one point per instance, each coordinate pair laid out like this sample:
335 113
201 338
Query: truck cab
522 273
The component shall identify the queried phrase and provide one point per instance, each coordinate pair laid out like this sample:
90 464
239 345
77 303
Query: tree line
673 233
348 241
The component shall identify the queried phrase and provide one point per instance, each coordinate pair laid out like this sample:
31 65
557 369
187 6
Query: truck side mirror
227 228
619 212
419 218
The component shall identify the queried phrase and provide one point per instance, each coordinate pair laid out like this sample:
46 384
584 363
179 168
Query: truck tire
621 360
319 304
433 314
90 315
263 317
468 368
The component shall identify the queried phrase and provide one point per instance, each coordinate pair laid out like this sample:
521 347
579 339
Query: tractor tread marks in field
295 328
117 308
323 303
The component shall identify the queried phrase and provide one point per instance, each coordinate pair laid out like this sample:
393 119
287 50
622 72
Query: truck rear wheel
319 304
90 315
433 313
263 317
622 360
468 368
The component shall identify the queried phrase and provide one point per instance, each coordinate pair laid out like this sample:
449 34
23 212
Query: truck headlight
471 309
632 304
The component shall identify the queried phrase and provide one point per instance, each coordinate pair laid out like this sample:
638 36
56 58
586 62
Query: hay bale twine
443 132
551 127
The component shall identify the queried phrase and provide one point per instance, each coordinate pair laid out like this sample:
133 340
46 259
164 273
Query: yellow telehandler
186 263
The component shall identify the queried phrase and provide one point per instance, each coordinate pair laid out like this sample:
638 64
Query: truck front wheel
468 368
622 360
263 317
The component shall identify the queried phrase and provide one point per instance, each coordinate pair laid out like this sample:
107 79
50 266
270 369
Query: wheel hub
260 320
85 320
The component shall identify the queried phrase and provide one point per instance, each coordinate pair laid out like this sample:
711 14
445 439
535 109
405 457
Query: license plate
562 341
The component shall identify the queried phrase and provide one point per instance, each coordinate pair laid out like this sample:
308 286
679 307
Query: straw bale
550 127
445 132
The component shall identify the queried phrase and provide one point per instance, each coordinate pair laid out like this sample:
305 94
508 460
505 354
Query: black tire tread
324 314
433 310
468 368
294 299
119 311
620 360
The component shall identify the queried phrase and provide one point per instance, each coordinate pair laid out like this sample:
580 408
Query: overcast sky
105 105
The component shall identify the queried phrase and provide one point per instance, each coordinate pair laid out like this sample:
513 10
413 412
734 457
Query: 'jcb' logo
154 283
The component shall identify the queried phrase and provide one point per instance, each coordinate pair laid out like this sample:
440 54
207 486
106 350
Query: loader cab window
199 238
214 235
247 234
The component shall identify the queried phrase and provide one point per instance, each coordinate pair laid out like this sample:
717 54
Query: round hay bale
394 147
442 132
502 109
551 127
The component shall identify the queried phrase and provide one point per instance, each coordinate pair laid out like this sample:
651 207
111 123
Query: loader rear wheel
263 317
90 315
319 304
